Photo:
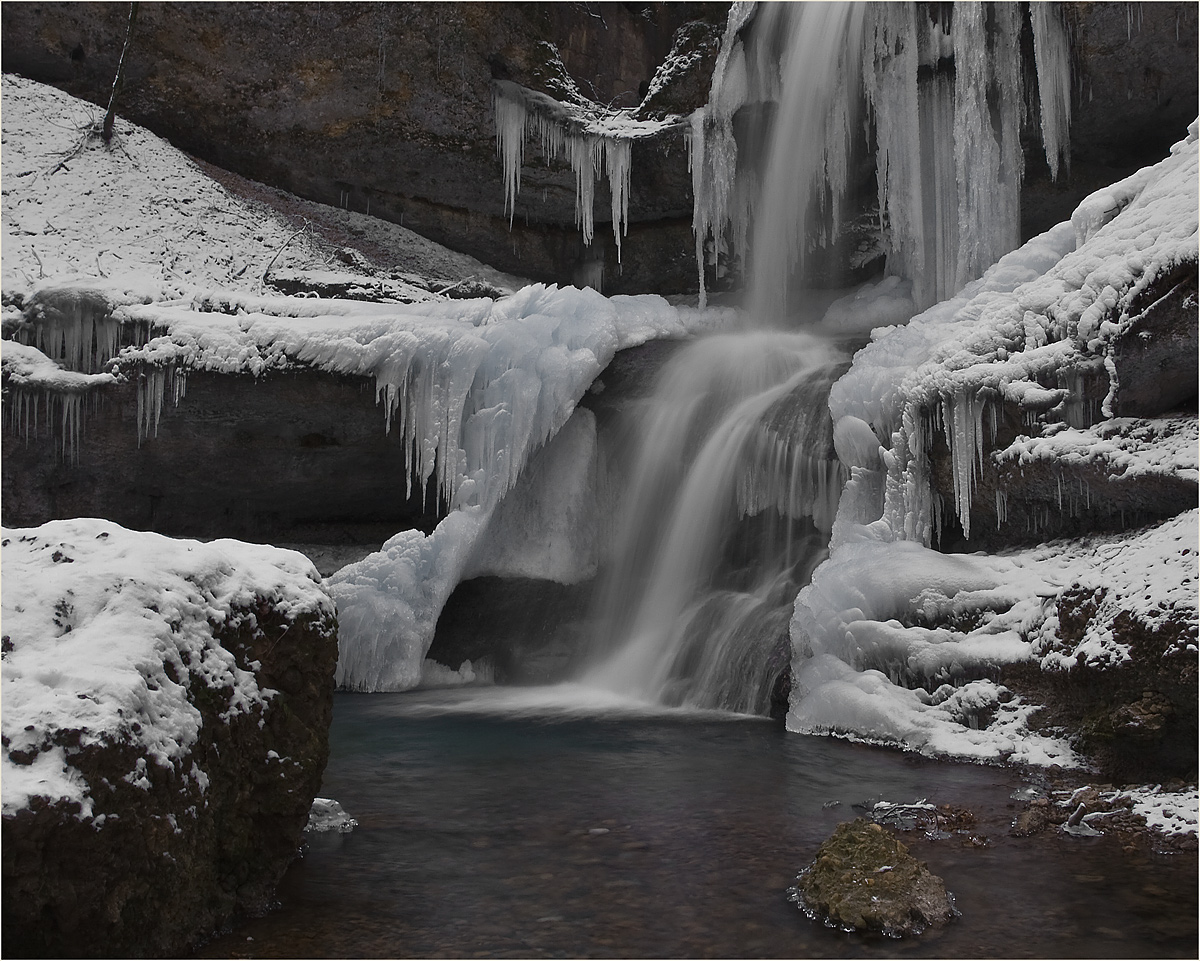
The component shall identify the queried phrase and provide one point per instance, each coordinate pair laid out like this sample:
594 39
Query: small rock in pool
864 879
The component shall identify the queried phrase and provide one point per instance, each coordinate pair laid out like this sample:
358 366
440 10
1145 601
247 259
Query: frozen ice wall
947 150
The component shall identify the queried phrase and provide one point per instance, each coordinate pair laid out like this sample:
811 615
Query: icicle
510 145
1051 51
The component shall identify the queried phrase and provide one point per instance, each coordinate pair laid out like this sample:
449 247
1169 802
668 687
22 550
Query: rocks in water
864 879
166 715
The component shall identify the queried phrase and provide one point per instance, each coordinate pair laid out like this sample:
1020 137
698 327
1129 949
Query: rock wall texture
389 106
295 456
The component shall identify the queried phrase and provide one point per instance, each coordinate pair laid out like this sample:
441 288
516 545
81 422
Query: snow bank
105 632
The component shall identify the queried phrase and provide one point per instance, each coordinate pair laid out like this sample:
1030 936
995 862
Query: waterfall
802 93
734 475
736 482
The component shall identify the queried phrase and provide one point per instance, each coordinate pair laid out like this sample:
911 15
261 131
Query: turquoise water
496 824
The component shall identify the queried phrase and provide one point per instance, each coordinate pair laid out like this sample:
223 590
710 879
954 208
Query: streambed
550 823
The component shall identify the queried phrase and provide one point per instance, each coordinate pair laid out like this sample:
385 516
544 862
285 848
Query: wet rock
864 879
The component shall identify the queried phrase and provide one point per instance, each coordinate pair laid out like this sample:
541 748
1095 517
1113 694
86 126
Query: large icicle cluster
948 154
594 141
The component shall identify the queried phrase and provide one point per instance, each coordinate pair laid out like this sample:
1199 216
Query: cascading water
734 475
739 431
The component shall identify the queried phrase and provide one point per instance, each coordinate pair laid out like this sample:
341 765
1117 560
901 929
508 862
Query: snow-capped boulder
166 706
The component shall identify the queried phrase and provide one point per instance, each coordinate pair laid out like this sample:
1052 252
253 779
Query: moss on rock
864 879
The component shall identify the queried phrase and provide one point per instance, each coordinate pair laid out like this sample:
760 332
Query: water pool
498 824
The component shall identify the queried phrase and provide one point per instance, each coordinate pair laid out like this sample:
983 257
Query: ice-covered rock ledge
1054 395
166 706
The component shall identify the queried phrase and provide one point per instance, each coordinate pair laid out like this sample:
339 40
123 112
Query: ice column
1052 56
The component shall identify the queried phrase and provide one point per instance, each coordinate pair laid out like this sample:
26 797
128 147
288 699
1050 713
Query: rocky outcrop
863 879
1084 469
158 772
388 109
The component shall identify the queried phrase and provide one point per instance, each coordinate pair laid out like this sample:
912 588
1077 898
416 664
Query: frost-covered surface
901 635
1036 319
1168 812
143 213
104 631
902 638
328 816
1126 447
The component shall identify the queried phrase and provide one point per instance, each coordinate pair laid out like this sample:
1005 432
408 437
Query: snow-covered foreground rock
1054 395
166 705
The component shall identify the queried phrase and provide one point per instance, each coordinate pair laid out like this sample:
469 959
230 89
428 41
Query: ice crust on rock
106 628
870 662
1032 323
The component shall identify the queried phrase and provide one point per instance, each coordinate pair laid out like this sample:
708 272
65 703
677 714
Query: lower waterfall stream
737 432
492 823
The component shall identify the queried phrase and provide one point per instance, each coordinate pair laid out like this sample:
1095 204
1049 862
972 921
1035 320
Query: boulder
864 879
166 715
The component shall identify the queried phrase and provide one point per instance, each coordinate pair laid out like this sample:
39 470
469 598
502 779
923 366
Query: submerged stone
864 879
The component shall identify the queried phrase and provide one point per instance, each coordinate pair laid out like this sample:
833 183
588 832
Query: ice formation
947 150
555 524
1023 333
594 141
870 661
105 631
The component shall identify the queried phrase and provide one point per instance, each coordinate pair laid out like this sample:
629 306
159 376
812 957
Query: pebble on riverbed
864 879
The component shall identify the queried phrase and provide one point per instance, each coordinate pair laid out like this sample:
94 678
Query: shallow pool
500 824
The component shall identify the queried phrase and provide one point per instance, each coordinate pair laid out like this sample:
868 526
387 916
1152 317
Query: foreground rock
166 711
864 879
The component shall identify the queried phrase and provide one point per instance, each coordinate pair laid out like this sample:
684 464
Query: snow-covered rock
999 411
165 715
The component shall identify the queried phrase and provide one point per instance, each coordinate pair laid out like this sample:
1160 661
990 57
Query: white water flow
734 462
736 476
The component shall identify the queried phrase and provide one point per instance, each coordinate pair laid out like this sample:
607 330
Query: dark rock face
530 631
390 106
1137 720
1135 91
157 869
864 879
299 456
1154 359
